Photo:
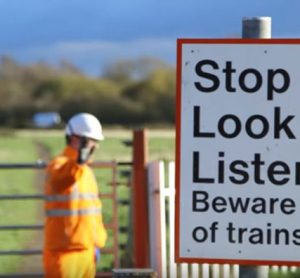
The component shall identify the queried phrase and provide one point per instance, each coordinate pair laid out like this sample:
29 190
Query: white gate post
171 195
156 181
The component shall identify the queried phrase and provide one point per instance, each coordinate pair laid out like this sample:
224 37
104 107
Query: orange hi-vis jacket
72 207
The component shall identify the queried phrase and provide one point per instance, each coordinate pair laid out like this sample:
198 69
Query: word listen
240 171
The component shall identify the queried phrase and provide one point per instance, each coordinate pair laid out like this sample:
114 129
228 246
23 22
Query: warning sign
238 151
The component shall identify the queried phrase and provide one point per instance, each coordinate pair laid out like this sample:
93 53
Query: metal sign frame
237 131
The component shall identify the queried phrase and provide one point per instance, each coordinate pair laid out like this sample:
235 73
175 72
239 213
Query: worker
74 230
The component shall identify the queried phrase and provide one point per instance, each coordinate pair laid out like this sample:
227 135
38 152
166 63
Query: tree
156 95
129 70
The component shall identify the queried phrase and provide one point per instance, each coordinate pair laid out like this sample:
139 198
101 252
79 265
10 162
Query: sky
93 34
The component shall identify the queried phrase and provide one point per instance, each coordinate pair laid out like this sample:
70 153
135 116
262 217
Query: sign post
237 144
255 28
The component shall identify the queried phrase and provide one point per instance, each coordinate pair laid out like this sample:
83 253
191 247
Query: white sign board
238 151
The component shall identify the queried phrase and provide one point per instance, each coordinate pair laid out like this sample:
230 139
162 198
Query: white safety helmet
85 125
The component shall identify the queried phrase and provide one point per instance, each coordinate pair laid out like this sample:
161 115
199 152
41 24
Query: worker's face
78 142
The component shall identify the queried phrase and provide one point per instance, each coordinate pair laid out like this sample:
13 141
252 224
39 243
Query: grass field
15 182
29 146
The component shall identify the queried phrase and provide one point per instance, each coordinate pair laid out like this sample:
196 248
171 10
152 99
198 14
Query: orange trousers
70 264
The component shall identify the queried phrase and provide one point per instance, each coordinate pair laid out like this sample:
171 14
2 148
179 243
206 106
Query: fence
161 186
136 236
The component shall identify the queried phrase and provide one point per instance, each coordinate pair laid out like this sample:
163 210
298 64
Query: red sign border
180 43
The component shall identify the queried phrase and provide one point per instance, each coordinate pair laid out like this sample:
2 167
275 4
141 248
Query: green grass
22 146
287 274
14 149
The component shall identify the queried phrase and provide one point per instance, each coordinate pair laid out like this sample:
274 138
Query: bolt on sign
238 151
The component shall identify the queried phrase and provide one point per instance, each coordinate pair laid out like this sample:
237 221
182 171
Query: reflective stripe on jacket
72 207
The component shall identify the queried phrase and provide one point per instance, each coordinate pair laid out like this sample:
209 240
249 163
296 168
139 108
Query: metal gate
36 229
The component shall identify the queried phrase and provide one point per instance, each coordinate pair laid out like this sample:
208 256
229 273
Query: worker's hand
83 155
84 151
97 254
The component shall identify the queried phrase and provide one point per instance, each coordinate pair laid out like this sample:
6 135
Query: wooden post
254 28
140 200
